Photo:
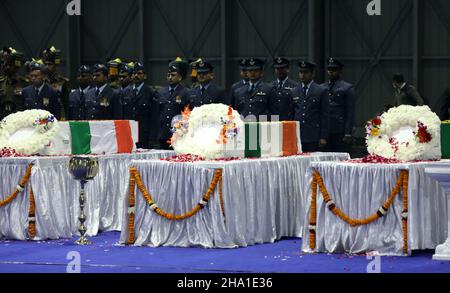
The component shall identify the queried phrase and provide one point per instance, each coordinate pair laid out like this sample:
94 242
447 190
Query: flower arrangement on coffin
229 128
180 125
27 132
210 131
405 133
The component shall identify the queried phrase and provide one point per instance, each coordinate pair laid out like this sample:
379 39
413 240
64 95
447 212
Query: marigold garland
405 212
402 183
222 207
19 188
136 178
32 215
131 237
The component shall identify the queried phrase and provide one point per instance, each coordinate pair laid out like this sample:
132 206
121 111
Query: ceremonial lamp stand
83 169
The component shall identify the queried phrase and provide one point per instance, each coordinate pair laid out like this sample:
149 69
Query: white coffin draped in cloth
359 190
263 201
56 195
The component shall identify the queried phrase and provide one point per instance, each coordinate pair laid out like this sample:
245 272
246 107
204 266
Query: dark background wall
411 36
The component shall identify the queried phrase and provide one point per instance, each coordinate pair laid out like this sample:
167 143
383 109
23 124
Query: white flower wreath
210 132
406 133
28 132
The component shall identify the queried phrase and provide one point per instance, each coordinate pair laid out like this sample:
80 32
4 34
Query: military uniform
342 98
77 104
103 104
311 109
237 85
172 102
11 83
114 67
11 94
58 82
139 104
45 99
204 95
281 102
208 93
254 99
407 95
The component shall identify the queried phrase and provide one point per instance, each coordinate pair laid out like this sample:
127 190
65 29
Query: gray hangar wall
411 36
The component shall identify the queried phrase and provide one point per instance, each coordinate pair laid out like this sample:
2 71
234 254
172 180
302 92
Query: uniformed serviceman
242 83
126 77
11 83
185 70
102 102
140 104
39 95
77 105
281 103
254 99
194 73
311 109
114 67
342 108
404 93
206 92
52 59
172 101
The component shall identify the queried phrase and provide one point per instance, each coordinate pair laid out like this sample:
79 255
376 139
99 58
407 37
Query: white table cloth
359 190
56 195
263 200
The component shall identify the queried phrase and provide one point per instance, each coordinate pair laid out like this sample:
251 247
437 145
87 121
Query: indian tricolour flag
95 137
272 139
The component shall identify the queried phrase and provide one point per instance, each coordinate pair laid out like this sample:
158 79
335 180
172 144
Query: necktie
81 97
305 90
82 104
97 92
37 92
330 85
136 91
280 85
252 88
203 91
171 90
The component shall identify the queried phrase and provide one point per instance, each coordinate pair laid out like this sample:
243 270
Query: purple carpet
284 256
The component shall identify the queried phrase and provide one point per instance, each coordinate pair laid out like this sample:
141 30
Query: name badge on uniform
46 101
261 94
178 99
104 102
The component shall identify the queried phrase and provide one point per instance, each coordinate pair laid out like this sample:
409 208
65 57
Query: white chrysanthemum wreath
28 132
406 133
210 131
